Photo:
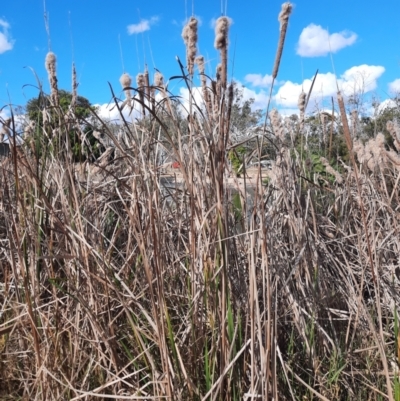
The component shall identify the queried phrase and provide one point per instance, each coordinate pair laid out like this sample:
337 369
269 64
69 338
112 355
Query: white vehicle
262 163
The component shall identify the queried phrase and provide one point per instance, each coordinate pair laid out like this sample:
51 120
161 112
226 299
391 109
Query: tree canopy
80 112
35 105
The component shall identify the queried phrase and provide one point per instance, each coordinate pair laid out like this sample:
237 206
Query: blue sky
363 35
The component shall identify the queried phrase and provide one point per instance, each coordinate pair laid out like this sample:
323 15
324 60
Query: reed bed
119 281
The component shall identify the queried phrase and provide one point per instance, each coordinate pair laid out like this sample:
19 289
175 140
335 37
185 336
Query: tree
243 118
55 121
371 126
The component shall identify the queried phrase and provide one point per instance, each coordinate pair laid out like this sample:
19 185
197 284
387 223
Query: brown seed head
140 80
158 79
221 33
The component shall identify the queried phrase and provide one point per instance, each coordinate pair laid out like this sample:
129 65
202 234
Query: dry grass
120 283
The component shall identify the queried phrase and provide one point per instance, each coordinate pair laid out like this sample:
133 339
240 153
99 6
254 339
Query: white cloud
362 78
394 86
6 43
359 79
288 93
4 114
197 99
259 80
143 26
386 104
315 41
109 112
260 98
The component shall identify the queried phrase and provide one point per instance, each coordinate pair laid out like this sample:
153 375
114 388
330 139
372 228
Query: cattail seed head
51 71
140 80
345 123
200 64
126 81
276 123
329 169
189 35
221 44
286 10
74 86
302 108
284 20
141 83
158 79
221 33
147 82
302 102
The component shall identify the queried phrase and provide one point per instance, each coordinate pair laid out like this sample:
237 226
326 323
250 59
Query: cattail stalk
324 120
354 119
346 129
277 126
206 96
189 35
160 85
147 82
140 81
221 44
302 108
284 21
394 129
218 90
74 86
51 70
126 82
349 144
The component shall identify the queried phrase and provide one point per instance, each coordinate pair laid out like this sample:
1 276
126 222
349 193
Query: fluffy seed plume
140 80
374 155
346 129
51 71
277 124
125 80
394 129
218 89
302 107
329 169
189 35
158 79
221 44
284 20
159 83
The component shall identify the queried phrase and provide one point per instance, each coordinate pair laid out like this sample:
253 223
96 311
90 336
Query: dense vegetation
121 279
